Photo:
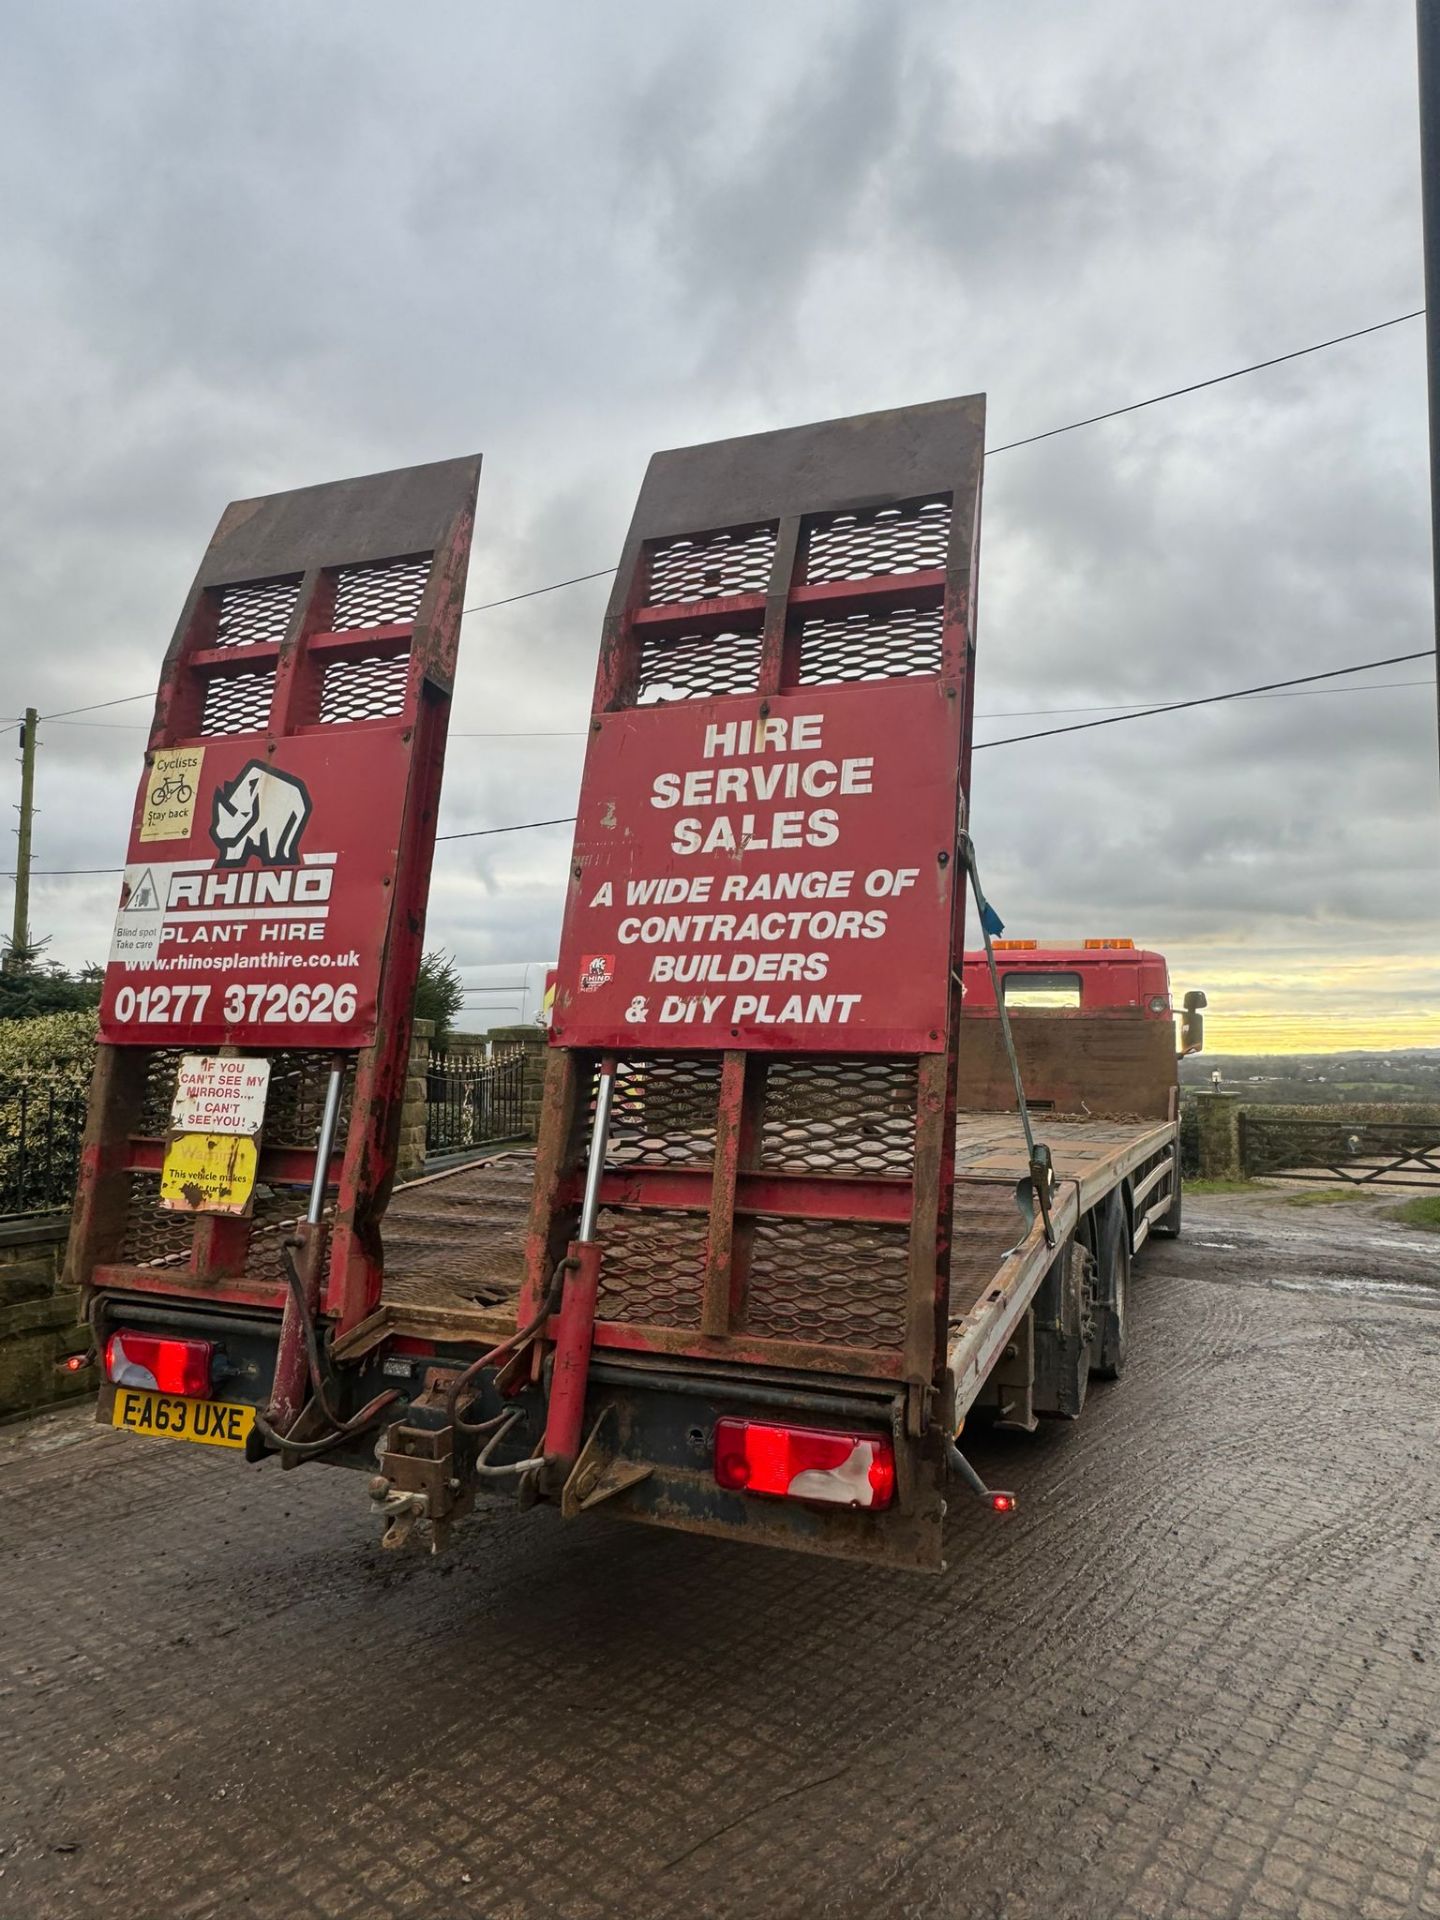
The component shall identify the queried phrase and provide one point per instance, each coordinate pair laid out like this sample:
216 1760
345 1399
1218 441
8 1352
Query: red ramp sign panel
766 872
258 898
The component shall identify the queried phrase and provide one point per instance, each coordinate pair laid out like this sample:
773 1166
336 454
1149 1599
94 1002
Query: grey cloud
258 248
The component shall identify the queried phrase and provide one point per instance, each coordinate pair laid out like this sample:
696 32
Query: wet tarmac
1198 1674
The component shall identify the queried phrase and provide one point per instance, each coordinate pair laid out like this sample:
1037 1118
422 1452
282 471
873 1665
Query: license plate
214 1423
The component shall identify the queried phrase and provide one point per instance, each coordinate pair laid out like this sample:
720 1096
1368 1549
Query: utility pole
1427 22
18 959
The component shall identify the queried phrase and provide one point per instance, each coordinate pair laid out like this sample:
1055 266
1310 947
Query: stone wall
39 1321
410 1158
1217 1117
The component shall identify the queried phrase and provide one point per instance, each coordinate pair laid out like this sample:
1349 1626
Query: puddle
1363 1289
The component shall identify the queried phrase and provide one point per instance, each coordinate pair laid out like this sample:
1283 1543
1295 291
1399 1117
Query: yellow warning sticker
209 1173
172 784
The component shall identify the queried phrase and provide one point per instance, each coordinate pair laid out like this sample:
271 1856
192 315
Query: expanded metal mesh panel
293 1105
368 689
276 1211
830 1281
839 1116
710 566
379 596
696 666
877 542
157 1237
651 1272
162 1068
256 612
896 645
237 702
154 1238
662 1114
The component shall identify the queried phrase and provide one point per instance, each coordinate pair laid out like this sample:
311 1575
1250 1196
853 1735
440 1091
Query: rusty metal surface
986 1225
374 516
320 636
792 630
1096 1154
870 457
459 1236
1195 1673
1078 1063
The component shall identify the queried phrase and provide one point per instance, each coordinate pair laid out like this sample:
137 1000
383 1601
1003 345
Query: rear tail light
805 1463
159 1360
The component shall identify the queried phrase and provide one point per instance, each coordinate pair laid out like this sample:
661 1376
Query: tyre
1110 1342
1169 1227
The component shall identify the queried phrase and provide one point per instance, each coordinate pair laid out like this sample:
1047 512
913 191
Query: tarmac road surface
1197 1674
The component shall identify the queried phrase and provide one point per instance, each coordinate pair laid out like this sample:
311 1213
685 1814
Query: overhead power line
533 593
1147 713
1012 740
1206 700
480 833
1198 386
995 713
1008 446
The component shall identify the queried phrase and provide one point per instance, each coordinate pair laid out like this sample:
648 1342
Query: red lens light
160 1361
1002 1502
805 1463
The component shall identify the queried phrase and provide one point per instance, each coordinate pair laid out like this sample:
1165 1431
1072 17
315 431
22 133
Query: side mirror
1192 1023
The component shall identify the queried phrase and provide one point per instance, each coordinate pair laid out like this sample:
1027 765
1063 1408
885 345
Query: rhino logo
262 812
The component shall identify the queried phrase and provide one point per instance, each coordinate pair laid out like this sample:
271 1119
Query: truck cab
1094 1023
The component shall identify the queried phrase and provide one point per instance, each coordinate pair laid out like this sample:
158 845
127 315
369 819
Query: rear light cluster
159 1360
805 1463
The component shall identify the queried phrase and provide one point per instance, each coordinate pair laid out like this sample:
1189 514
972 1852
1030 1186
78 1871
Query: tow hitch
432 1463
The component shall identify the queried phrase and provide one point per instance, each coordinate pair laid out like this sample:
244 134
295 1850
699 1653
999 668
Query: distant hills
1400 1073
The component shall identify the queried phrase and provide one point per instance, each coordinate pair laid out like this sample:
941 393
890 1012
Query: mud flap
1110 1340
1063 1332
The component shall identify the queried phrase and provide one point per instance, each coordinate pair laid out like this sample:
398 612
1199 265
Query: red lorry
786 1222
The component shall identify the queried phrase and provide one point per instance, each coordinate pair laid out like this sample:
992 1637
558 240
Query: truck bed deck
454 1240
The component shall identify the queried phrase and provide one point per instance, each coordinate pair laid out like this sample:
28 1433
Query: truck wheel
1111 1341
1169 1227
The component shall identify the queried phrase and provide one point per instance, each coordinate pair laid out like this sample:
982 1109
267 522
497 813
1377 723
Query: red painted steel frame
826 572
370 574
1112 981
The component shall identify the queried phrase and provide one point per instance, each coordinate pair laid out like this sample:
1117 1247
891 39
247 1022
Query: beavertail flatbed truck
778 1236
455 1241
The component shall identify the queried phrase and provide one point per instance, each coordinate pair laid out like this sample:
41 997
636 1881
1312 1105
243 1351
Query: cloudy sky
251 247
